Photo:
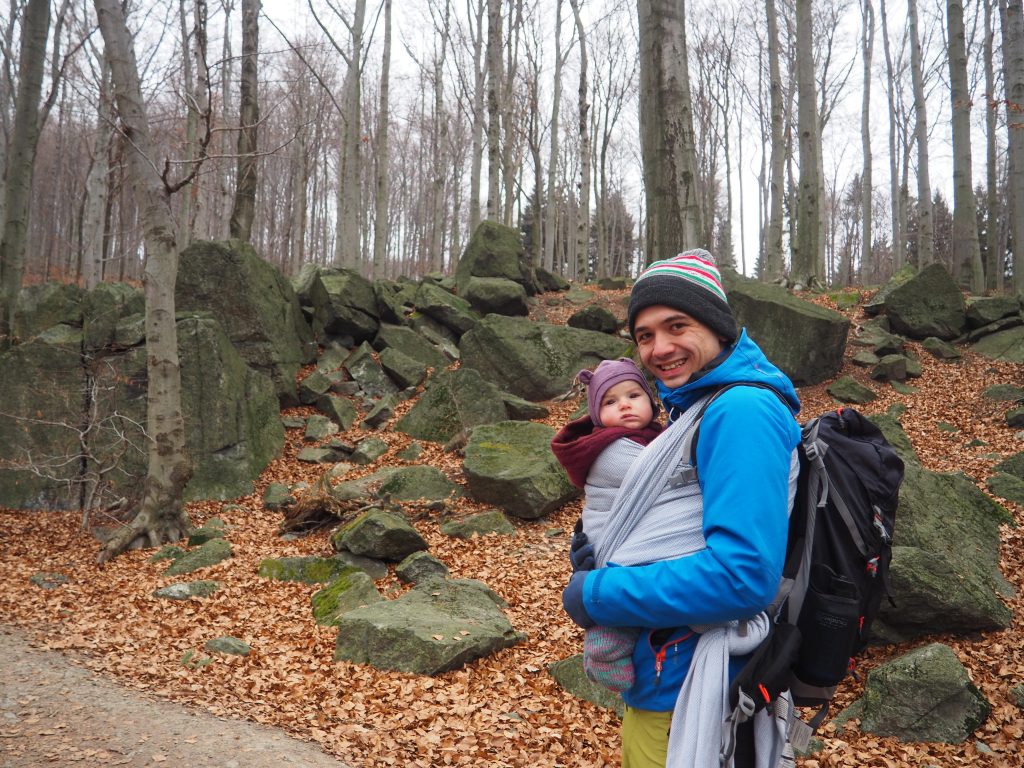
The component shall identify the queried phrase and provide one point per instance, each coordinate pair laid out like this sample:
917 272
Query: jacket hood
742 362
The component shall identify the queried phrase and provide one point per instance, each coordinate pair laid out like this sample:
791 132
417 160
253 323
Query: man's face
672 345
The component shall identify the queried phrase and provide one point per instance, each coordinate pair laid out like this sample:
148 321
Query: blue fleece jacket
744 450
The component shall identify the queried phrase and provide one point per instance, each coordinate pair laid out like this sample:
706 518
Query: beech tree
994 238
925 225
773 259
1013 74
804 271
249 119
675 220
867 49
160 516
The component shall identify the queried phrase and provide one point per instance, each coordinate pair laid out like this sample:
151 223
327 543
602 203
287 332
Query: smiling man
737 502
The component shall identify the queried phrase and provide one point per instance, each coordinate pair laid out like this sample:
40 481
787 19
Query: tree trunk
556 100
21 159
222 227
93 241
382 155
966 250
161 516
896 206
773 261
995 244
248 120
1013 74
476 161
675 220
804 272
925 226
494 81
438 150
583 216
867 48
347 241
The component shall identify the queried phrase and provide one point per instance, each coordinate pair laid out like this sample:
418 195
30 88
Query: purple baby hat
607 374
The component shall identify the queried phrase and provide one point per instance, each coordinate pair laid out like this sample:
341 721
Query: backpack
836 570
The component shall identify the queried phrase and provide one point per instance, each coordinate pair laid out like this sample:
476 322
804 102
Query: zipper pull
659 663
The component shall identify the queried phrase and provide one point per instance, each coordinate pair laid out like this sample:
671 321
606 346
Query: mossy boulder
350 589
380 535
847 389
307 570
928 304
187 590
453 401
210 553
492 521
495 250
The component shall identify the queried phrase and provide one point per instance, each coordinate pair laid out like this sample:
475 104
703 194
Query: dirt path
53 712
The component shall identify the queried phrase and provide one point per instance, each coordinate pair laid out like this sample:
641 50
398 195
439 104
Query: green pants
645 738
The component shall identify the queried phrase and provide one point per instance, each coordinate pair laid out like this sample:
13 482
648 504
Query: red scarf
578 444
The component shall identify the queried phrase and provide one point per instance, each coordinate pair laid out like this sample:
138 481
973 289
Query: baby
596 450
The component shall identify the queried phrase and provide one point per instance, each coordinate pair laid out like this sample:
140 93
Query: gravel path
53 712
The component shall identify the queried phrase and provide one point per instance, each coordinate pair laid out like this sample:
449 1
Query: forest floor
103 627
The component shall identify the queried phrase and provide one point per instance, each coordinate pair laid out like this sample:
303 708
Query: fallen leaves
504 710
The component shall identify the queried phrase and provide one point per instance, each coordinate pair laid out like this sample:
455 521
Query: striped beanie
689 282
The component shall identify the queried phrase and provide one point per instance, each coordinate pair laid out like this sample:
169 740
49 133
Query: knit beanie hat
689 282
607 374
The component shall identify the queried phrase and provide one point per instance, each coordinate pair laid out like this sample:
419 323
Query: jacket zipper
661 653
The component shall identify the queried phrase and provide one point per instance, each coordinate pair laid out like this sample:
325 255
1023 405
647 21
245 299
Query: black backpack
837 563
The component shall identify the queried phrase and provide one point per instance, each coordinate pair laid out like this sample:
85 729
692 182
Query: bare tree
867 49
583 217
993 241
494 80
966 250
773 262
161 517
1013 74
804 272
675 220
249 119
895 197
21 161
550 206
925 225
382 156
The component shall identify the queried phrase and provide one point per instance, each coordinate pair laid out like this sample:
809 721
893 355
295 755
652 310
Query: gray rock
510 465
1006 486
929 304
313 386
1004 392
496 294
806 341
344 304
368 451
865 359
365 370
890 368
48 579
569 674
495 250
411 452
848 390
402 369
418 482
549 281
493 521
332 358
337 409
429 630
410 344
320 455
254 302
380 535
395 300
277 496
452 312
945 565
199 536
613 283
521 409
453 401
186 590
925 695
381 413
419 568
940 349
307 570
446 340
103 308
1014 465
536 361
595 318
228 645
1015 417
982 311
320 427
210 553
1005 324
45 305
352 588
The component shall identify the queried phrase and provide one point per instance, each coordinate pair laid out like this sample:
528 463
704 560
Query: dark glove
581 551
572 600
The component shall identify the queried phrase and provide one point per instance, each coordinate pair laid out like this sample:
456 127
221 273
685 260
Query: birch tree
160 517
675 220
925 224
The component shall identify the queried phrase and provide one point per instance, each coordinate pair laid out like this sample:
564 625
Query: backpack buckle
811 451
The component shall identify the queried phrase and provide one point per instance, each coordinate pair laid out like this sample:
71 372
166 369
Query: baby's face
626 405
